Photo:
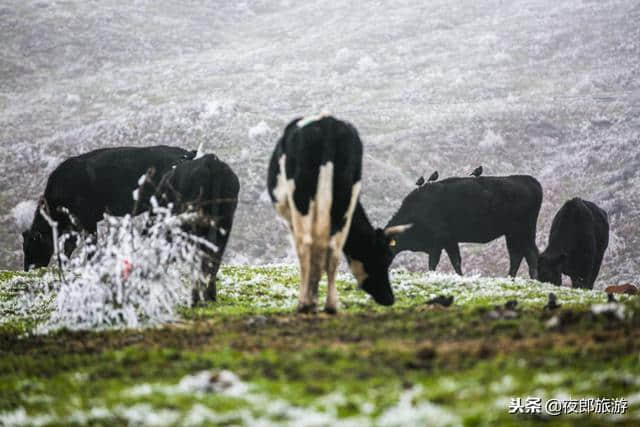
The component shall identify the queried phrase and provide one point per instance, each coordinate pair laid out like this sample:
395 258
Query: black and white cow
578 239
314 184
87 186
474 210
209 187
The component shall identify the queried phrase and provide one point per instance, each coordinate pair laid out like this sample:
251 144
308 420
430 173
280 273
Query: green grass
368 365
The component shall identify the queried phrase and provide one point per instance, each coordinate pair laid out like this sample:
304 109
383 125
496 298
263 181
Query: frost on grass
138 273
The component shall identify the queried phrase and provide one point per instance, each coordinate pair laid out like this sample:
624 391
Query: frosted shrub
137 273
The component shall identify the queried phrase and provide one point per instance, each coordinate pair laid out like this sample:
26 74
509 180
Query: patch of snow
259 130
19 417
491 139
409 412
367 63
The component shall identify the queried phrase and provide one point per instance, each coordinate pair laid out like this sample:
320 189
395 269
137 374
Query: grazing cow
314 184
474 210
87 186
208 186
578 239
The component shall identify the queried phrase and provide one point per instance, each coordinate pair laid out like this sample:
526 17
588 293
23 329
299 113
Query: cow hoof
307 308
330 310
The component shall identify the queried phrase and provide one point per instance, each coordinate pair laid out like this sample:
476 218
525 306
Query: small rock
499 313
258 320
426 352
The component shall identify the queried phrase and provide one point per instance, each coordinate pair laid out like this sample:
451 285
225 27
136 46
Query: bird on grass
476 172
552 303
442 300
433 177
511 304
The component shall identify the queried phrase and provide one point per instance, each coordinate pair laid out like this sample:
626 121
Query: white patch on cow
358 271
338 239
281 191
310 119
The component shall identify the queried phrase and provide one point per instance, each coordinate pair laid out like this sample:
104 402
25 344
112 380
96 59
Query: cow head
37 248
550 268
372 273
410 241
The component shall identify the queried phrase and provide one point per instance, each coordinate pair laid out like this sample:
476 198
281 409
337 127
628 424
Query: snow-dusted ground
541 87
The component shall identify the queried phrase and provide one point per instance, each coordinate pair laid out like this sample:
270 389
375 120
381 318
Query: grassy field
249 359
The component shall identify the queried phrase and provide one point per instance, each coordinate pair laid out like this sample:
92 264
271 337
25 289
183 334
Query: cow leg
453 250
70 244
531 256
210 270
596 269
305 301
434 258
331 305
515 256
316 268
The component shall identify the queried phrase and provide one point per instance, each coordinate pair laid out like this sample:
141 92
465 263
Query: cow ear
394 230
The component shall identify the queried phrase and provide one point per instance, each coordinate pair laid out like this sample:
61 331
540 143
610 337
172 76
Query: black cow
314 184
578 239
87 186
208 186
472 210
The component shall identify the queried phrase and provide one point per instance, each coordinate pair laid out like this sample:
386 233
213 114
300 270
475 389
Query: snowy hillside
546 88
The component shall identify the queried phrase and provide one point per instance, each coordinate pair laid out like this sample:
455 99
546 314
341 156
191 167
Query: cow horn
396 229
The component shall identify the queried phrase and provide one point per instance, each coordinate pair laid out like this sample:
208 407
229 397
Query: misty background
546 88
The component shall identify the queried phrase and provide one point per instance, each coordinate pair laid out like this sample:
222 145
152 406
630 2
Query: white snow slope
539 87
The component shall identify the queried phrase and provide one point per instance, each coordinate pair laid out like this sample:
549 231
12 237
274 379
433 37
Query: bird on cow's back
433 177
476 172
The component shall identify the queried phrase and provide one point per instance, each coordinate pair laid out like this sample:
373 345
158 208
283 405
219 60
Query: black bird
552 304
444 301
611 298
476 172
511 304
420 181
433 177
